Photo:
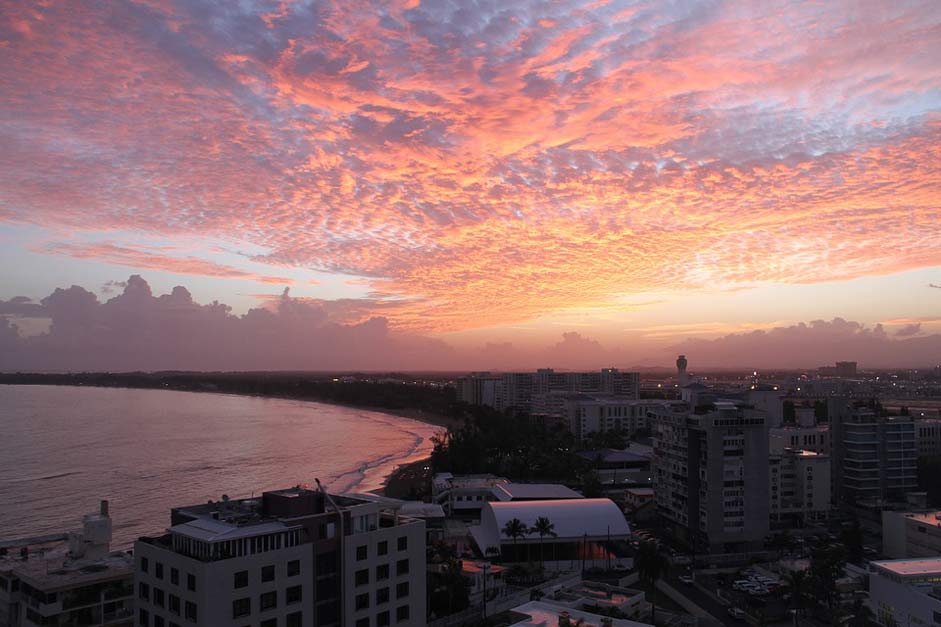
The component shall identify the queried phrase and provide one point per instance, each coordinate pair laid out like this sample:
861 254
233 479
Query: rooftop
530 491
911 568
545 614
52 570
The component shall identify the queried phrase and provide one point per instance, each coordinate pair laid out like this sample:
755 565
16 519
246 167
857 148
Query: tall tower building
681 374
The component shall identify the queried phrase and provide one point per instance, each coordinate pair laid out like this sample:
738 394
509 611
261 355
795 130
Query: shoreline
400 481
435 419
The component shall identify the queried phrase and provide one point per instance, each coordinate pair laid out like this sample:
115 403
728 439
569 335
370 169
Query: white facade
68 579
906 592
911 534
287 559
589 414
799 487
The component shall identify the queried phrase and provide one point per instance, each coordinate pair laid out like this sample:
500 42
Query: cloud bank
137 330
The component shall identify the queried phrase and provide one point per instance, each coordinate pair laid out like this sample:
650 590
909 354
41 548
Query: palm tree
544 527
651 565
515 529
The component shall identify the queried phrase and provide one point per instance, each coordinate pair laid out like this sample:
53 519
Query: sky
474 184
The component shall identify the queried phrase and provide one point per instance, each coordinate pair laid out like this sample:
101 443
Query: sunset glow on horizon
482 173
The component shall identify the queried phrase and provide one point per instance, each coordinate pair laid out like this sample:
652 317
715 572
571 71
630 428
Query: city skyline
423 184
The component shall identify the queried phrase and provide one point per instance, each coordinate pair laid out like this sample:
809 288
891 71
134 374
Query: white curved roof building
599 519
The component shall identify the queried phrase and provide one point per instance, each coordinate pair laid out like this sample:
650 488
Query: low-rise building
467 494
906 592
547 614
68 579
629 467
290 558
581 529
911 534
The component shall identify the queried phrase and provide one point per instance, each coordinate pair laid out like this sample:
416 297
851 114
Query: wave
358 476
58 475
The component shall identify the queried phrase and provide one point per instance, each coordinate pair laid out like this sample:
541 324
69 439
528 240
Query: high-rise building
479 388
543 391
874 455
712 476
587 414
799 488
68 579
290 558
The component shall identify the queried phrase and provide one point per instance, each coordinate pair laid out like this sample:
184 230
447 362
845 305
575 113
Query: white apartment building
587 414
911 534
67 579
539 391
906 592
712 475
290 558
799 488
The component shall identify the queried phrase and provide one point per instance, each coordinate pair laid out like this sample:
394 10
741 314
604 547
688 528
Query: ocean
63 449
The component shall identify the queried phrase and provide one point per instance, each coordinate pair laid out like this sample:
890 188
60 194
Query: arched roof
573 520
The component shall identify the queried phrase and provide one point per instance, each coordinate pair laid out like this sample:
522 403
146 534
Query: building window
143 591
363 622
292 595
382 596
158 570
143 618
294 620
175 576
270 622
294 568
401 613
401 567
174 604
267 573
361 552
382 548
401 590
362 577
382 572
191 582
269 600
241 607
403 543
158 597
158 621
240 579
362 601
144 564
382 619
189 609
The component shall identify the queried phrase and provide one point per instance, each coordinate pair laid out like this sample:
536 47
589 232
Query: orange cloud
486 165
156 260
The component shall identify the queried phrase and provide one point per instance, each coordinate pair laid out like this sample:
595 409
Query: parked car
735 612
686 579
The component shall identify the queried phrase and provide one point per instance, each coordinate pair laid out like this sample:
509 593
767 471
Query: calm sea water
62 449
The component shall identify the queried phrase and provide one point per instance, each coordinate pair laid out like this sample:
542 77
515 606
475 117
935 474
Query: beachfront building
67 579
582 529
906 592
290 558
